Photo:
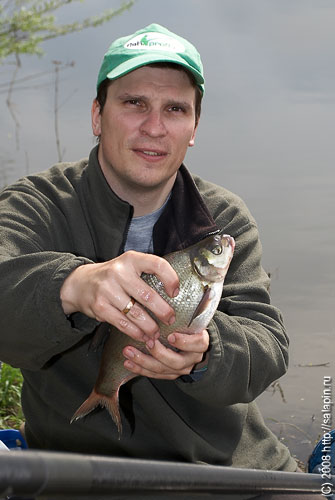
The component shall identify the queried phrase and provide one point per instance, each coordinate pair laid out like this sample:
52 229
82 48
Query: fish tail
111 403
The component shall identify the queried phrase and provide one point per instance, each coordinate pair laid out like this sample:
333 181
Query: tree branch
10 103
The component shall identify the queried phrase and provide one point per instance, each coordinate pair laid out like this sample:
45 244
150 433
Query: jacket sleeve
248 343
34 261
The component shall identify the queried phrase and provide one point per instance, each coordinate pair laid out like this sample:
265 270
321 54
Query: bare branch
25 78
58 65
10 103
59 152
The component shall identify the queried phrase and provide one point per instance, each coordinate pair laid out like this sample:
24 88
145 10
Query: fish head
211 257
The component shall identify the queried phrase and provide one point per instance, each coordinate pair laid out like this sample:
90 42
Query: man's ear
192 140
96 118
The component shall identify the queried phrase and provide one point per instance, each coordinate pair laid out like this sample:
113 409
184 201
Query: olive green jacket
67 216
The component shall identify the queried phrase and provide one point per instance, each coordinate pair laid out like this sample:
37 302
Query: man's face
145 128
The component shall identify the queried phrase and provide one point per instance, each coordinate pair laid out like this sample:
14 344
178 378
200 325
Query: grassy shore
11 415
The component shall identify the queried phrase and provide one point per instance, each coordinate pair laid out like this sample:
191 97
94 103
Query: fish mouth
228 241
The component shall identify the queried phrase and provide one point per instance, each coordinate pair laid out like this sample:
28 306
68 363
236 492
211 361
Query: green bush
11 415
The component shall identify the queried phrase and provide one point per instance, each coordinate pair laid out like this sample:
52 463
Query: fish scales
191 292
201 270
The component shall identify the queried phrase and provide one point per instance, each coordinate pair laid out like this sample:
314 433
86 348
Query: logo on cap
155 41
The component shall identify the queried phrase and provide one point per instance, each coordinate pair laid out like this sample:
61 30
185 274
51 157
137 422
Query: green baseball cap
149 45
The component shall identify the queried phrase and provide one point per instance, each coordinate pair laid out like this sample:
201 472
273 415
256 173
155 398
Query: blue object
322 461
13 439
326 446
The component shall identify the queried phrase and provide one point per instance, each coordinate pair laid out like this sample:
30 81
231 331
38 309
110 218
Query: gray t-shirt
139 236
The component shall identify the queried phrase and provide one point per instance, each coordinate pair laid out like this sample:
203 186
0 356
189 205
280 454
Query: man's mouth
150 153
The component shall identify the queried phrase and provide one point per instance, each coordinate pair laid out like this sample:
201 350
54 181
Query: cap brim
145 59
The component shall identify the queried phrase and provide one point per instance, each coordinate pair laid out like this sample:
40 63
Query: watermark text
327 487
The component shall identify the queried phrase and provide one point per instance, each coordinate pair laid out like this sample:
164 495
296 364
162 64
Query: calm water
295 210
299 240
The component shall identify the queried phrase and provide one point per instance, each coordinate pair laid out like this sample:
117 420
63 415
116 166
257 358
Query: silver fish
201 269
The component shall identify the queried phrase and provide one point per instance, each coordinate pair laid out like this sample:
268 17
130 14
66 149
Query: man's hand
164 363
102 291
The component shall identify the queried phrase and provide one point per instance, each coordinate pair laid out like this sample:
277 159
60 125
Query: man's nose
153 124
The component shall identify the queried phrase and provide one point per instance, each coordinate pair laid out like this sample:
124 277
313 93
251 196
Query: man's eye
134 102
176 109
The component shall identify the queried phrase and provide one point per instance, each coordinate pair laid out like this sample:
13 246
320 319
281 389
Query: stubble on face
145 128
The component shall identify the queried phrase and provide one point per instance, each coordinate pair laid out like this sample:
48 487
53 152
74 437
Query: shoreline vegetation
11 415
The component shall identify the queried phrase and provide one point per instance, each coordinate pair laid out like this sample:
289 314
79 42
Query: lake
299 244
294 206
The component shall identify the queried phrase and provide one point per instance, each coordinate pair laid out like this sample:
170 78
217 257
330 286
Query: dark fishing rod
51 475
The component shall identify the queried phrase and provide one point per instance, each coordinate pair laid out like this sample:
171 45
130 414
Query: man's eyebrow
126 95
169 102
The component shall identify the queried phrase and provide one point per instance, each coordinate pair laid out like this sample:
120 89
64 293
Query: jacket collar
108 216
185 220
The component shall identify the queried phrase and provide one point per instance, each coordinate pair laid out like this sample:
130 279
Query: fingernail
176 292
150 344
129 353
172 338
172 319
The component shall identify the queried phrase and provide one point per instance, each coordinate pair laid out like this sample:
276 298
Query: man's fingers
136 323
197 342
152 264
143 293
139 370
149 298
161 362
104 291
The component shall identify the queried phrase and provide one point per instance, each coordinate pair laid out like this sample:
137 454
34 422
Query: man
74 242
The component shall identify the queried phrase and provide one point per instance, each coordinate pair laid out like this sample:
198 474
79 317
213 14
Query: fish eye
217 250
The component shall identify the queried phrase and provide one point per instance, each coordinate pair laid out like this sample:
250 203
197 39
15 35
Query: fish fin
111 403
201 307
